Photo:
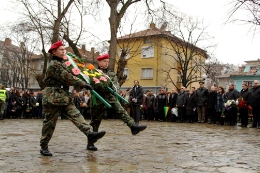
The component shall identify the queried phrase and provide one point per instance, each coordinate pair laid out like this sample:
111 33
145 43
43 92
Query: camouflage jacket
112 76
57 74
58 79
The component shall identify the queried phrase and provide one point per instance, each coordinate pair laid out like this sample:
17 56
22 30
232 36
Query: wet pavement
163 147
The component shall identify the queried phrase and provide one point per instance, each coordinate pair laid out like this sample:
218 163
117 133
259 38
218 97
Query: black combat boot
45 151
92 138
135 129
91 147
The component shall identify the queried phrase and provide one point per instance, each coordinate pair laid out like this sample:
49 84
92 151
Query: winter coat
220 100
232 94
245 95
254 96
172 100
161 101
212 99
137 93
21 102
202 96
191 104
181 99
150 101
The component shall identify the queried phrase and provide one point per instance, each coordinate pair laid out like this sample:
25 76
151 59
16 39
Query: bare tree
188 35
48 20
251 9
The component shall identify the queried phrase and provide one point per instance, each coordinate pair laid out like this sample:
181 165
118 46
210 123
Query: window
147 52
126 72
147 41
147 73
127 54
250 84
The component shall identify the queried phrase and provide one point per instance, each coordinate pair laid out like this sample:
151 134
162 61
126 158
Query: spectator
180 104
254 101
219 105
172 103
243 110
190 104
161 102
202 99
39 107
127 106
150 104
232 94
33 103
212 98
136 97
20 105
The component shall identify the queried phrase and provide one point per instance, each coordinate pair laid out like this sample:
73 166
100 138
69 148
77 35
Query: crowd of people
22 104
196 105
213 106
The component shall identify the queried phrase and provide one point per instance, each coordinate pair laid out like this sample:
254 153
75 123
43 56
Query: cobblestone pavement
162 147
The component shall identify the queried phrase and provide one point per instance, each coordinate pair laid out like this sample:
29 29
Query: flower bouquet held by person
230 103
87 72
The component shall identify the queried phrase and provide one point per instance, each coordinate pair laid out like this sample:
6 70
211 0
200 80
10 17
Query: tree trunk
113 20
120 68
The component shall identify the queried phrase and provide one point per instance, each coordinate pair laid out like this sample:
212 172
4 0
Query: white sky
235 43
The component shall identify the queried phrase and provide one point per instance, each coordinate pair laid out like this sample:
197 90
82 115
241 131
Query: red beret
55 46
101 57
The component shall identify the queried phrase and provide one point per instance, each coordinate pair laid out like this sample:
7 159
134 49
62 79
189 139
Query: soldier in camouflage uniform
57 100
3 98
99 111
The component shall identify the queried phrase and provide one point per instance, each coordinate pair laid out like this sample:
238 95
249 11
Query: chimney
8 41
152 26
83 47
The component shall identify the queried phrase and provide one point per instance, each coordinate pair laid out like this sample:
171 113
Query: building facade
152 59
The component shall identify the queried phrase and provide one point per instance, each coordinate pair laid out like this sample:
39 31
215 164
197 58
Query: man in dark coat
150 104
180 104
190 106
136 98
254 101
172 103
243 110
161 102
202 99
232 94
211 105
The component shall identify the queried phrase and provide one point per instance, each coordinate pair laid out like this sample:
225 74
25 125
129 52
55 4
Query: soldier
98 111
57 100
3 97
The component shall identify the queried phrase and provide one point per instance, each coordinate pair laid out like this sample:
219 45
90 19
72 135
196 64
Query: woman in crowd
27 110
20 105
221 99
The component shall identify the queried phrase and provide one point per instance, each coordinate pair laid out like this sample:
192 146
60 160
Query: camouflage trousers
99 111
51 116
2 108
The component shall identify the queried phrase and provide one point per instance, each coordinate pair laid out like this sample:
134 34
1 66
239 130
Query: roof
153 31
9 47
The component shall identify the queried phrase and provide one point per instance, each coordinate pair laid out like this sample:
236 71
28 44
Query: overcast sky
235 43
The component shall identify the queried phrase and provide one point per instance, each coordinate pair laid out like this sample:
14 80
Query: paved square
162 147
